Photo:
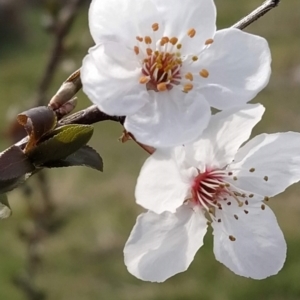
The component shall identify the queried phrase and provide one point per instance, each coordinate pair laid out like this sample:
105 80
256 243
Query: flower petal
259 248
238 64
226 131
171 118
161 246
160 186
121 21
179 17
110 78
276 160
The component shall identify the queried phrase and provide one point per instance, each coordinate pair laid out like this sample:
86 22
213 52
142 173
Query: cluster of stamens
162 61
211 190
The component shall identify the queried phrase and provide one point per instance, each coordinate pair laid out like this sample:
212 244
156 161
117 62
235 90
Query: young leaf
37 122
15 167
63 142
85 156
5 210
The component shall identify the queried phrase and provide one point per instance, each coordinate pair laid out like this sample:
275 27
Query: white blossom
162 64
214 181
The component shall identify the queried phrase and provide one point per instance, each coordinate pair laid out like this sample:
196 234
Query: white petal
160 186
121 21
161 246
226 131
259 250
171 118
110 77
180 16
239 67
276 156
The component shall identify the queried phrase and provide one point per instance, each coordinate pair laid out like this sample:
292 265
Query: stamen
139 38
155 26
266 178
149 51
187 87
144 79
189 76
148 40
266 198
204 73
178 46
191 32
194 58
236 217
162 87
174 40
246 211
252 170
209 41
136 50
232 238
263 207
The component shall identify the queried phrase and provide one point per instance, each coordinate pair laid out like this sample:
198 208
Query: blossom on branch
214 181
162 64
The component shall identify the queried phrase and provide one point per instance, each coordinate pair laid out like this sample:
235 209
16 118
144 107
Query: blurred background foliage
84 259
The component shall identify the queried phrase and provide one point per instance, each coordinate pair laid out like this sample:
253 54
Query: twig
256 14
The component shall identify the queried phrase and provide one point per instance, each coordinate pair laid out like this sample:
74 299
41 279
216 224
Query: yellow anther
164 40
139 38
178 46
209 41
136 50
144 79
252 170
191 32
156 53
266 178
204 73
148 40
189 76
161 87
155 26
194 58
149 51
187 87
232 238
173 40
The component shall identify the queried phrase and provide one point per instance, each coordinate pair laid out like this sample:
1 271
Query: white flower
213 178
162 65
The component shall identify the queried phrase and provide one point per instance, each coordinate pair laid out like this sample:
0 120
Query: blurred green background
84 259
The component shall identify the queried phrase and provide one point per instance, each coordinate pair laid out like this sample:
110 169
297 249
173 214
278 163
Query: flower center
162 62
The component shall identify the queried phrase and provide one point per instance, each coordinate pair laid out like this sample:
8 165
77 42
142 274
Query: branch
256 14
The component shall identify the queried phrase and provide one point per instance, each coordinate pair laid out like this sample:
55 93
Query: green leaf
37 122
15 168
5 210
62 142
85 156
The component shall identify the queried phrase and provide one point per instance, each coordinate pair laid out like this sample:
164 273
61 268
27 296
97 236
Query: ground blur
84 260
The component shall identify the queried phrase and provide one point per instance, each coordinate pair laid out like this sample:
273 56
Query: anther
209 41
263 207
251 195
144 79
219 220
236 217
155 26
149 51
178 46
228 203
234 178
191 32
189 76
136 50
230 173
246 202
266 178
139 38
246 211
266 198
187 87
148 40
252 170
173 40
204 73
161 87
232 238
194 58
